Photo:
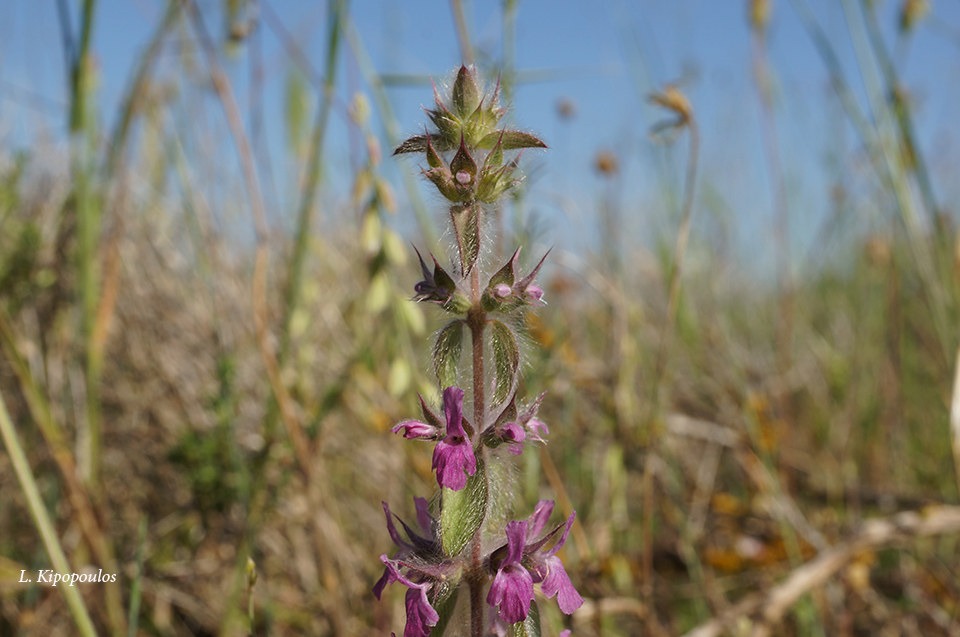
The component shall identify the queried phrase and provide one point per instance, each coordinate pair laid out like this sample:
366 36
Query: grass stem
42 521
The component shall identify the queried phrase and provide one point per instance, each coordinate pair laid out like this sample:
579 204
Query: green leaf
415 144
506 360
462 512
446 353
530 627
466 226
511 140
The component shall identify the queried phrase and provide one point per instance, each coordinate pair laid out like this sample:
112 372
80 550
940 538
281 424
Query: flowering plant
464 538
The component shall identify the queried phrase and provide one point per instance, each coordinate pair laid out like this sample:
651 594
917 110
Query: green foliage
447 351
506 359
466 227
463 512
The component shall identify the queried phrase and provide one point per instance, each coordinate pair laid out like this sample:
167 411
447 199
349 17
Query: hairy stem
476 320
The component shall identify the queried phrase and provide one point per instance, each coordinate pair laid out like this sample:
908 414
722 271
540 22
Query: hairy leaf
506 359
466 226
511 140
446 353
462 512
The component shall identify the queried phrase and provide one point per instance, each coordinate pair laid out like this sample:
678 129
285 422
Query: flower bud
463 165
466 92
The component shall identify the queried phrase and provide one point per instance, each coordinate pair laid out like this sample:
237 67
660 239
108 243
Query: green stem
336 10
41 520
137 90
88 222
463 33
660 369
80 72
375 81
477 320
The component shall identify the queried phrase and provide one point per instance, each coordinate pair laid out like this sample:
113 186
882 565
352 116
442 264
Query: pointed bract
511 140
466 91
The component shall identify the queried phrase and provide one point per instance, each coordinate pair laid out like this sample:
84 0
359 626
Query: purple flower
427 429
549 571
436 286
514 435
411 429
420 614
512 588
528 563
418 544
508 290
534 293
537 429
453 456
538 519
525 426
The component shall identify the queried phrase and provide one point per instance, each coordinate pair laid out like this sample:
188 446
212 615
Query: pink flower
512 588
528 563
453 457
420 614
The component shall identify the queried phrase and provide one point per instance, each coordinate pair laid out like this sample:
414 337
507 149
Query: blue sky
605 57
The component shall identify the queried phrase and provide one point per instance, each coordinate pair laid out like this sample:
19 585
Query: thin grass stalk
136 585
463 31
509 68
41 519
658 384
258 305
887 165
892 171
507 83
778 189
133 99
336 9
374 81
904 122
955 421
77 494
88 227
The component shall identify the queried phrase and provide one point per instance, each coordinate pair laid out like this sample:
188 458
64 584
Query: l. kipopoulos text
52 578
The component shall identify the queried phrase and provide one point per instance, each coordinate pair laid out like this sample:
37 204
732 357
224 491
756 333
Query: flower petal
512 592
453 461
453 408
420 614
563 538
538 519
558 583
414 429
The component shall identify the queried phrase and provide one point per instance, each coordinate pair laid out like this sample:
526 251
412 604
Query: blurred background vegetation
198 373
